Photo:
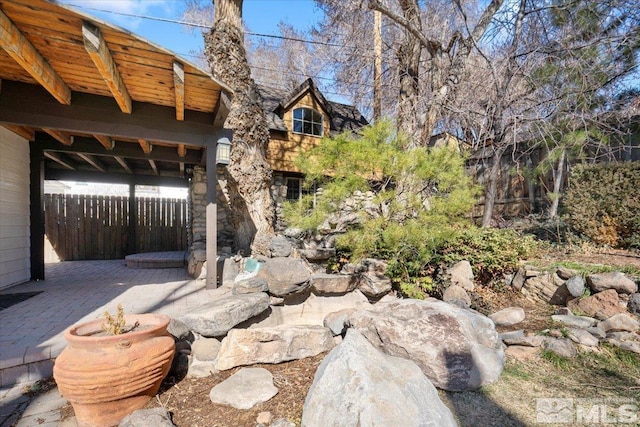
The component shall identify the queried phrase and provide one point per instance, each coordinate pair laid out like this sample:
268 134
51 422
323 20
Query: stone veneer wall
198 202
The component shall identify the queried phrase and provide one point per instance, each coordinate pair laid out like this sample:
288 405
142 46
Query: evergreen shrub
602 203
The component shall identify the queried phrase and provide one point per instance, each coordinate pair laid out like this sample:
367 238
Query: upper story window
307 121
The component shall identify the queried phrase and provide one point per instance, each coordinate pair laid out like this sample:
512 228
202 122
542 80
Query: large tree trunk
409 69
491 188
248 173
557 185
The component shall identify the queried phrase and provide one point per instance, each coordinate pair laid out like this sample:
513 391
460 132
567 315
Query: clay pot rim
157 326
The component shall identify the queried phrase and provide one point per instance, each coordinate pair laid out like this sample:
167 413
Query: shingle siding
14 209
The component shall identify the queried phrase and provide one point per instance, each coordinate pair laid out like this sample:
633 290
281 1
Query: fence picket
96 227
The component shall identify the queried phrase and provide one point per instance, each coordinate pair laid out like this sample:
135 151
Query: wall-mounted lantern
223 151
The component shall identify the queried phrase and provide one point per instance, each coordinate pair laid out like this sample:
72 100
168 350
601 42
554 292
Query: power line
193 24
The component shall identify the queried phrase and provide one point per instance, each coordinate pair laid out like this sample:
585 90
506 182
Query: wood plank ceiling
64 52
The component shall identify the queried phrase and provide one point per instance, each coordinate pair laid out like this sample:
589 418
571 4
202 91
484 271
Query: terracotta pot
107 377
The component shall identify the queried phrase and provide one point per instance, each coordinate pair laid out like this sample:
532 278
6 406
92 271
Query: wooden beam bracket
178 84
101 56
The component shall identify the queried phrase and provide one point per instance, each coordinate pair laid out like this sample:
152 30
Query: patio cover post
212 214
133 218
36 202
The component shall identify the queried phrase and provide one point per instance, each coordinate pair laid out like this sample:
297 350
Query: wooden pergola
99 103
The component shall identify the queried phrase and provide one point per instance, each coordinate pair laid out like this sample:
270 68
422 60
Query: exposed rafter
106 142
58 160
181 170
23 52
22 131
92 161
145 145
63 137
101 56
152 163
178 84
124 164
182 151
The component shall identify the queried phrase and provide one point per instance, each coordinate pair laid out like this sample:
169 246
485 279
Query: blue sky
260 16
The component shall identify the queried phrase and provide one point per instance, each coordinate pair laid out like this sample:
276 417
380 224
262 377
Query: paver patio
31 332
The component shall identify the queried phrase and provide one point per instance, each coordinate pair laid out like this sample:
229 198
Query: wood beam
178 85
93 162
145 145
29 105
124 164
23 52
152 163
63 137
125 150
106 142
181 169
58 160
101 56
115 178
26 133
182 151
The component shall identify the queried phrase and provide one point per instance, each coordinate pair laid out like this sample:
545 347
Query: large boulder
614 280
575 286
456 295
633 305
457 349
357 385
244 389
373 280
250 285
313 310
601 305
280 247
285 275
462 275
332 284
272 345
218 317
622 322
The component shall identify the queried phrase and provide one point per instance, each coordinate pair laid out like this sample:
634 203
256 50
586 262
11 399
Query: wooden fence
82 227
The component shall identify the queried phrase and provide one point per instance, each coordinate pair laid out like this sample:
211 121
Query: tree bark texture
491 189
248 172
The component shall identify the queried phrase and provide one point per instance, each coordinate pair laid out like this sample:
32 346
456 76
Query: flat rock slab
272 345
358 385
157 417
508 316
583 322
217 318
244 389
625 340
332 284
622 322
457 349
522 352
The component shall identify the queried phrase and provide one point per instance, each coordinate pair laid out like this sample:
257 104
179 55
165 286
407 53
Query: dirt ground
606 376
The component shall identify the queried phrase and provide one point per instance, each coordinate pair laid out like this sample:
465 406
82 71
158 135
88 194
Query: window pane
308 128
317 117
293 189
297 113
317 129
297 126
308 114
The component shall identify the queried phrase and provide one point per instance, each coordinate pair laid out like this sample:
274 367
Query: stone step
173 259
